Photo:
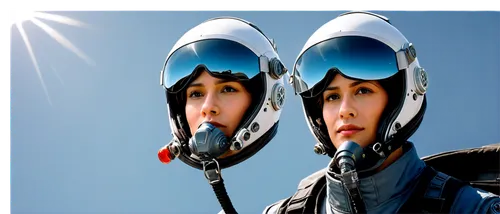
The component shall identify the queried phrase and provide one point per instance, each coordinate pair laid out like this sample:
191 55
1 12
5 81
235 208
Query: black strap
414 203
319 200
213 175
224 200
420 202
445 201
305 199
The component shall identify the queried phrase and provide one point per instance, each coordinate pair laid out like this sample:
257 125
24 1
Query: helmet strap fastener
212 173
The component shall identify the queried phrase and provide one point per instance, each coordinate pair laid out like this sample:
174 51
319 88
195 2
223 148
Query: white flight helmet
366 46
227 45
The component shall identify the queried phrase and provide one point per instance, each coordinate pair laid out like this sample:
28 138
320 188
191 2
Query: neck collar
381 187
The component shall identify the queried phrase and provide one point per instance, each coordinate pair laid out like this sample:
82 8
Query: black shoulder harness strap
435 193
305 200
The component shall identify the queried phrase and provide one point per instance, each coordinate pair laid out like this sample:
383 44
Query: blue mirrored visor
354 56
219 56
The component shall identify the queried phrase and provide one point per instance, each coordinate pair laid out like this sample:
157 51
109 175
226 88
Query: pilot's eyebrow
219 81
350 85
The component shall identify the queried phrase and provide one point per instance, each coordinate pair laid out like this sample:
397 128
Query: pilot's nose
210 105
347 109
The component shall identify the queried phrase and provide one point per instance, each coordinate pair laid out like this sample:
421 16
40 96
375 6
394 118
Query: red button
164 155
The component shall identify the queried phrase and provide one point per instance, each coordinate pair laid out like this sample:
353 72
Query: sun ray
57 75
63 41
21 16
33 58
194 50
60 19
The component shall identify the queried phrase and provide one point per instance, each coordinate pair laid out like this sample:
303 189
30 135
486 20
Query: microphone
345 159
346 156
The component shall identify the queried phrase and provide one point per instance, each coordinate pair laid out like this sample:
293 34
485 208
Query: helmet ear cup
421 80
276 68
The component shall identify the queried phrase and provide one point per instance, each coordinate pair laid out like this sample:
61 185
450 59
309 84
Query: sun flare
18 17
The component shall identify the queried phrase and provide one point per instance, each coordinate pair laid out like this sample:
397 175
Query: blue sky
93 147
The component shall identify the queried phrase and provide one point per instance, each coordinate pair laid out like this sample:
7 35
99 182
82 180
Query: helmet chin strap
374 155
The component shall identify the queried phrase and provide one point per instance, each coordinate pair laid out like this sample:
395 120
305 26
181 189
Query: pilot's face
220 102
352 110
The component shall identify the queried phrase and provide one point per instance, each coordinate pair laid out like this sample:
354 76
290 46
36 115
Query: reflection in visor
222 58
355 56
230 74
